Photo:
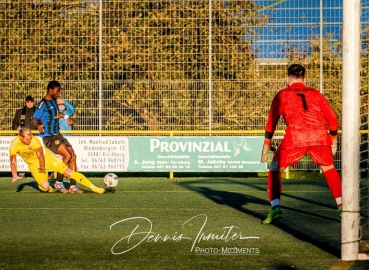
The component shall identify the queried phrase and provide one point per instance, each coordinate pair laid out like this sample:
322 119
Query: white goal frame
351 50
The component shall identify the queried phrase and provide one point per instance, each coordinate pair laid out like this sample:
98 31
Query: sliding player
39 160
308 116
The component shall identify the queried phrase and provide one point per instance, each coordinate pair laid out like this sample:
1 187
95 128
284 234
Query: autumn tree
157 58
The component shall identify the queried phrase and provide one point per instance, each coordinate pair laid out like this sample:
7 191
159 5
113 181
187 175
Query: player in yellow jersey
39 160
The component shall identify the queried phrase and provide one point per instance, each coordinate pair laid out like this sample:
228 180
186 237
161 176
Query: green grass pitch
210 222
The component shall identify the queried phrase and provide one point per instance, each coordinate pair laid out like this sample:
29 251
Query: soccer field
161 223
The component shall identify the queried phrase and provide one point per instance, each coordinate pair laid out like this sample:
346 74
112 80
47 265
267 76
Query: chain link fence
171 64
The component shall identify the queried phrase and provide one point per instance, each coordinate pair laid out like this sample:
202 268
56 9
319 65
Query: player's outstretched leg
80 178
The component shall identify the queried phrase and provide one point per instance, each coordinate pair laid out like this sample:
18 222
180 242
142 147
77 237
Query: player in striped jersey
46 119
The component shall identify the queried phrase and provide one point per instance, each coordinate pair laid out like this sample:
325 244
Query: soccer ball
111 180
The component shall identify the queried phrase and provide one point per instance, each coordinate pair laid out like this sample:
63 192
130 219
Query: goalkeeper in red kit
311 128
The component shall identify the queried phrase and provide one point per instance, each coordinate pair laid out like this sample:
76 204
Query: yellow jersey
27 152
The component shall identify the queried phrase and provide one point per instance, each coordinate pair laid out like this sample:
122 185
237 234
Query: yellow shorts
52 163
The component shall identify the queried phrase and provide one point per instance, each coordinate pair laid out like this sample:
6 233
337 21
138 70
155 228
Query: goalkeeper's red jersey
307 114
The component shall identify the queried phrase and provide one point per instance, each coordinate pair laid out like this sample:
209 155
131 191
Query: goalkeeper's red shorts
320 154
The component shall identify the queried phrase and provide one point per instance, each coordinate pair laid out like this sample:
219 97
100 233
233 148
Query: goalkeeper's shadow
297 221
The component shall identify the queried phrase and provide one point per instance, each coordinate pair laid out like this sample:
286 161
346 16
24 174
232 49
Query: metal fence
169 64
192 65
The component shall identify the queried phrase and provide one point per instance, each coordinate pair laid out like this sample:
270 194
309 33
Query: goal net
364 127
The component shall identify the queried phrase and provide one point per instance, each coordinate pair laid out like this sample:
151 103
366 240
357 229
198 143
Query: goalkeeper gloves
266 148
334 145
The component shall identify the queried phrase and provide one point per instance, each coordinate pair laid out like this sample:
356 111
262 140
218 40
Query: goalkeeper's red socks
274 187
334 184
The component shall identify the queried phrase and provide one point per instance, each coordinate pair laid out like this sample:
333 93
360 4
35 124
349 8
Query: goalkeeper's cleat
99 190
273 215
340 211
75 189
60 186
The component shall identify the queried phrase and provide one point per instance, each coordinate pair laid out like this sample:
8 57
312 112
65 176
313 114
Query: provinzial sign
157 154
203 154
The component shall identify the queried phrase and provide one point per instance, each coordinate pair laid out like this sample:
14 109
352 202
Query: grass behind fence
70 231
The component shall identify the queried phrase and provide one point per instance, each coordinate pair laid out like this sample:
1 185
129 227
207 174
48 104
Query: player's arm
37 116
70 108
38 124
41 158
66 116
13 167
273 118
331 118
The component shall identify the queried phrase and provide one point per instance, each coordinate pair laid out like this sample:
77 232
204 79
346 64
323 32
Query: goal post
364 143
351 48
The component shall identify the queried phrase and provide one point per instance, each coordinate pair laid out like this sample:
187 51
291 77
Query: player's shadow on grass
235 200
286 183
304 224
34 185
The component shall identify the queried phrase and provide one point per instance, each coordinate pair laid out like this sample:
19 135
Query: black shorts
53 142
